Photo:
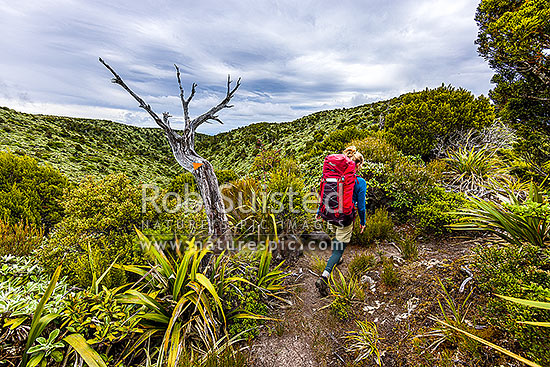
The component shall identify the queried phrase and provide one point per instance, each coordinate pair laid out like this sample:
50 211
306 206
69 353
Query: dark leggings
337 251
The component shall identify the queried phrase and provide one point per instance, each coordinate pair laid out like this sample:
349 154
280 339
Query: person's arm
360 196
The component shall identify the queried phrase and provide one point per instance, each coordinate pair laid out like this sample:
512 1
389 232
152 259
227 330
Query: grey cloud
294 57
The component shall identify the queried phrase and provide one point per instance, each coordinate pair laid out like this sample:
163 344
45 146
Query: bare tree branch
118 80
184 102
228 82
211 114
216 118
165 117
538 98
537 69
163 123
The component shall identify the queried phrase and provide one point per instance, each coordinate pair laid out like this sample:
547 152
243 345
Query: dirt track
310 335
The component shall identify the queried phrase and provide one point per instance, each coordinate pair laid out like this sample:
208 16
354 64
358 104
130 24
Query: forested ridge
80 147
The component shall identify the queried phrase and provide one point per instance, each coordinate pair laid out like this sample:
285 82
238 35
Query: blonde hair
352 153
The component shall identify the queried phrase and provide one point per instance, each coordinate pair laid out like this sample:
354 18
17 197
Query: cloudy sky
294 57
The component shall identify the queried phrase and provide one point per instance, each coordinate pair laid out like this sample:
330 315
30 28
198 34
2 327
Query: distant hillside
80 147
237 148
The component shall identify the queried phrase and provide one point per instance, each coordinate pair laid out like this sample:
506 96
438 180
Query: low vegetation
30 193
363 343
425 117
345 292
90 275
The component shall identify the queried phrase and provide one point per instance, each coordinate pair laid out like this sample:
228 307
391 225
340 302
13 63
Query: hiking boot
322 286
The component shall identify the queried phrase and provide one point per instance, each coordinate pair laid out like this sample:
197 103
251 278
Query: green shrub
521 272
30 192
181 181
317 264
377 149
390 274
97 228
474 169
533 147
425 117
378 227
402 183
266 161
337 140
280 192
245 298
19 239
407 185
517 219
341 308
525 168
101 318
438 211
436 168
345 292
409 246
361 263
226 175
394 180
364 342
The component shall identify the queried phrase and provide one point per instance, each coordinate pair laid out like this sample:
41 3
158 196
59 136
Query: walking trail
309 334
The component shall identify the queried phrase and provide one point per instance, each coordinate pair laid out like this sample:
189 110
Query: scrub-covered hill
300 138
80 147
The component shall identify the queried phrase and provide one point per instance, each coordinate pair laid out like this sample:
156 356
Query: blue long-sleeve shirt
359 197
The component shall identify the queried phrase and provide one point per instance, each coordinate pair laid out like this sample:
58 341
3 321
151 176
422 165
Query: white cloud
71 110
293 57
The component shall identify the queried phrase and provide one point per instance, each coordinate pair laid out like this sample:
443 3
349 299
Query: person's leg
342 238
338 248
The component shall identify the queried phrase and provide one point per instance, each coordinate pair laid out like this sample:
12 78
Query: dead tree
183 147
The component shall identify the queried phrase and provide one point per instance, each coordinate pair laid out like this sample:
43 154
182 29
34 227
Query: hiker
350 192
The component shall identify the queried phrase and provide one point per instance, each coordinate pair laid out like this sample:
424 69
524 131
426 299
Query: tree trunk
207 183
183 148
213 203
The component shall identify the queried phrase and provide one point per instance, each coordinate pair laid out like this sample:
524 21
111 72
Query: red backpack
336 190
